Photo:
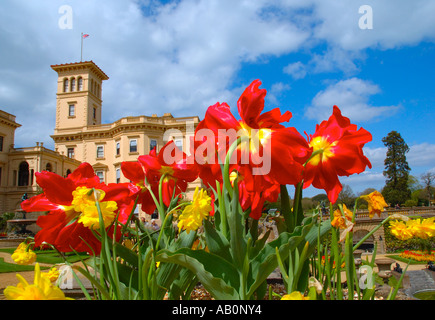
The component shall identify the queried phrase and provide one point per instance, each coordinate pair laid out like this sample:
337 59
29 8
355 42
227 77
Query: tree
396 190
427 179
414 183
347 196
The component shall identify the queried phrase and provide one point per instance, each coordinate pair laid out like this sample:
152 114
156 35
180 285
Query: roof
91 64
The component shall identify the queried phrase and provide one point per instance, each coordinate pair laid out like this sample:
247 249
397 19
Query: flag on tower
84 36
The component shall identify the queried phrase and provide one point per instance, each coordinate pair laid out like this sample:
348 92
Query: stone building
80 136
18 165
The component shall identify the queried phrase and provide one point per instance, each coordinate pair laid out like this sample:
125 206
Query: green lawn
45 256
12 267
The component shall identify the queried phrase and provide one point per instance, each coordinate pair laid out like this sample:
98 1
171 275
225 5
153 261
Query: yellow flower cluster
41 289
376 203
23 255
193 214
295 295
85 204
339 221
420 228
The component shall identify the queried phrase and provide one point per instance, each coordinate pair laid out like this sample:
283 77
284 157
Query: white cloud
351 96
277 90
421 155
183 56
395 23
180 57
297 70
375 155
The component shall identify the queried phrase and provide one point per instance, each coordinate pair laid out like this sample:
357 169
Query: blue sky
182 56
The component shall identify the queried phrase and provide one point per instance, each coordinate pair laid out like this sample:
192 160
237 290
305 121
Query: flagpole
81 49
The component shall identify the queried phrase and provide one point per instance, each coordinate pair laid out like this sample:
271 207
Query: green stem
163 226
315 153
226 168
337 257
222 211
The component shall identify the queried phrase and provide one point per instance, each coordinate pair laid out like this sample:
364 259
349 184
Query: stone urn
384 264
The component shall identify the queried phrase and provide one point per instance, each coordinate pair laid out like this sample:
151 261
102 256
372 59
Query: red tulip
65 224
339 145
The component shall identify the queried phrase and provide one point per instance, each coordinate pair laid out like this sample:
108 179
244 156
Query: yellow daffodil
339 221
295 295
193 214
419 228
376 203
401 230
41 289
52 274
90 217
424 229
24 256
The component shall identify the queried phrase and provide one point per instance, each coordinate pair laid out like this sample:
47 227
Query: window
95 113
118 148
179 143
71 110
65 85
23 174
80 85
1 143
49 167
153 144
100 175
70 153
73 84
133 145
118 175
100 151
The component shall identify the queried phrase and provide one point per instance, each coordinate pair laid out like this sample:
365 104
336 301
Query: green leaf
238 240
216 274
266 261
286 211
183 285
216 242
126 254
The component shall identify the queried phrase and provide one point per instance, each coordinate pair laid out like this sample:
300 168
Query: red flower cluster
71 207
171 164
268 155
273 155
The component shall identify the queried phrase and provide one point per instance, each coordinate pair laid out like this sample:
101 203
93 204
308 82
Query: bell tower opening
79 94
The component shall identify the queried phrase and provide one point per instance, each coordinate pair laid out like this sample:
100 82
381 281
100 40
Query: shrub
411 203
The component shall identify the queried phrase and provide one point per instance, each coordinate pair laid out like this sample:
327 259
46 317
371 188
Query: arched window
73 84
49 167
23 174
65 85
80 84
68 172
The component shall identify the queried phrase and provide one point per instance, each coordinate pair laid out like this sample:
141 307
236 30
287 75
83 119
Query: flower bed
418 255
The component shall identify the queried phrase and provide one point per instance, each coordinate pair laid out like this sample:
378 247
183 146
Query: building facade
19 165
80 134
